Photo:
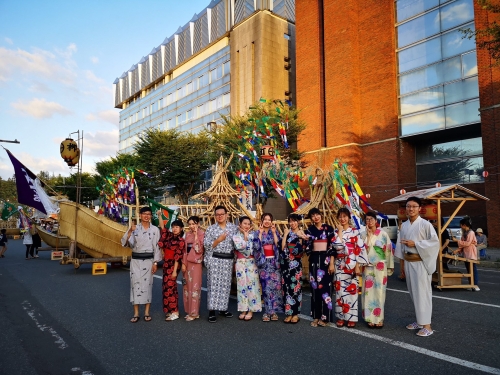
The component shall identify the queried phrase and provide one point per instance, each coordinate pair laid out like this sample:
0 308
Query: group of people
268 267
32 241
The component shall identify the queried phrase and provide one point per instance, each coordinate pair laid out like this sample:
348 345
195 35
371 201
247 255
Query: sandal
265 318
413 326
314 323
351 324
191 318
172 317
371 325
340 323
248 316
321 323
147 318
424 332
295 319
288 319
242 316
135 319
380 325
274 318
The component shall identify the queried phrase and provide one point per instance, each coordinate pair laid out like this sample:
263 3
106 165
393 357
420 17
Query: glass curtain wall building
438 87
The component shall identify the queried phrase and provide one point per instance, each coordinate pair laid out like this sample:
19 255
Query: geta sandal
340 323
265 318
351 324
274 318
321 323
314 323
295 319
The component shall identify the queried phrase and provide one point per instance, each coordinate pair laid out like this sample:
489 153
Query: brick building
392 88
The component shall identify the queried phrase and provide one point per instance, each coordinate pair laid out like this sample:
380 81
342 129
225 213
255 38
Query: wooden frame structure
447 194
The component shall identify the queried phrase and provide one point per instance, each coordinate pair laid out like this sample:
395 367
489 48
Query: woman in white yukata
351 255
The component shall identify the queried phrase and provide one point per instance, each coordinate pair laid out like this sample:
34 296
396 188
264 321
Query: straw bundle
98 236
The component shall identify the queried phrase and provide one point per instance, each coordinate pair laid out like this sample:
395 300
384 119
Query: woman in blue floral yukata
266 253
321 269
291 268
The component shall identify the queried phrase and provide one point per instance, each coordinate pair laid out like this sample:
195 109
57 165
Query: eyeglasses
407 206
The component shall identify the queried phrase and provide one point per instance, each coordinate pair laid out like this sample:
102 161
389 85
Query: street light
14 141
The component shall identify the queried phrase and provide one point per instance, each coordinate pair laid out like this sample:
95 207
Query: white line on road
403 345
451 299
42 327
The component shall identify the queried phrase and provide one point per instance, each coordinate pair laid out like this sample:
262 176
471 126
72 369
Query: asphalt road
55 320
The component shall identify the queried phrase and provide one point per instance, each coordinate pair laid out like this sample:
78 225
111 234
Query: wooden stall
439 195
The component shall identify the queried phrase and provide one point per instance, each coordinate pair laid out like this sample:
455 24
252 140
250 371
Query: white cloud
35 164
456 14
68 52
8 40
40 108
39 87
109 115
90 76
39 63
100 144
94 59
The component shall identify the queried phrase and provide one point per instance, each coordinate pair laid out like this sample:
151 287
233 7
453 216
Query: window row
409 8
196 84
432 23
459 171
441 118
462 66
200 111
433 50
449 150
439 96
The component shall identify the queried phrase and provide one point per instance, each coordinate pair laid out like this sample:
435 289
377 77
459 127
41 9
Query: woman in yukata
351 255
247 274
380 265
173 246
192 269
467 246
321 269
266 242
291 253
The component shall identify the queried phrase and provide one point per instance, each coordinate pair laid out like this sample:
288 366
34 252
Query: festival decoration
429 211
402 213
69 150
8 210
485 174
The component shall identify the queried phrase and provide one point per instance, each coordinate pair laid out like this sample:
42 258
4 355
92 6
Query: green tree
489 37
175 160
8 190
66 185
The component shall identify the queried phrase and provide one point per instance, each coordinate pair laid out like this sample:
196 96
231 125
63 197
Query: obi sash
169 254
241 256
320 245
269 251
142 255
189 247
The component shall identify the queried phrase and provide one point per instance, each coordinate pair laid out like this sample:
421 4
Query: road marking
42 327
451 299
417 349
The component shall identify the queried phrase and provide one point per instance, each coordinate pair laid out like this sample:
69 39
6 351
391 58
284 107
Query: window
409 8
227 99
169 124
179 93
169 99
160 104
227 67
202 81
153 107
189 88
447 150
418 28
180 119
137 116
130 120
145 112
203 110
213 105
219 102
216 73
189 115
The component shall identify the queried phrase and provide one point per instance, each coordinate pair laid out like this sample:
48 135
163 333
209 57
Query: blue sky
58 61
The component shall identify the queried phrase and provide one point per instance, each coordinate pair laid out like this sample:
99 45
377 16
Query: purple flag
25 182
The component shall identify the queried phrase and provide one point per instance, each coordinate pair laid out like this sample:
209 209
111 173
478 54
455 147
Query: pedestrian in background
28 242
3 243
467 247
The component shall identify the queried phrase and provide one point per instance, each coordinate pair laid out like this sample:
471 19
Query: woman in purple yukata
351 255
266 253
321 269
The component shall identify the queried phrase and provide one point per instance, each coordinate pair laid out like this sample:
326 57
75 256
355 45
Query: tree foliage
66 185
8 190
175 160
489 37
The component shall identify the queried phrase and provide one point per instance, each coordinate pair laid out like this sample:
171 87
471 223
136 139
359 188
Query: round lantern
267 152
69 150
402 213
438 184
485 174
367 196
429 211
75 160
402 191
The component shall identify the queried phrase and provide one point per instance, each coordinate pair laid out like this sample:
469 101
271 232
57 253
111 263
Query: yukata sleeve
130 242
158 254
308 244
163 238
331 250
360 250
208 242
180 250
258 251
389 257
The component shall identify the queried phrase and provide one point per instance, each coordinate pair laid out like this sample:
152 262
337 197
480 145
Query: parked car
390 225
453 228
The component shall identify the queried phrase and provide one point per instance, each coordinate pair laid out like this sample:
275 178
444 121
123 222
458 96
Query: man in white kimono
143 239
418 245
219 258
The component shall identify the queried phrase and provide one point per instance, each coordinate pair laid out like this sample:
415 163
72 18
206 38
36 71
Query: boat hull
52 239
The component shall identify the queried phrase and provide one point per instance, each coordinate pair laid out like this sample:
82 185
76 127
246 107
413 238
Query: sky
58 61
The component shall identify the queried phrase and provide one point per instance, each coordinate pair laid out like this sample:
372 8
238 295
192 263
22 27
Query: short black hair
371 214
266 214
314 211
294 217
220 208
177 223
243 218
145 209
417 200
196 219
344 211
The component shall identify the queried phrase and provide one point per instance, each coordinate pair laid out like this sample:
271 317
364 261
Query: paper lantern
402 191
267 152
485 174
367 196
402 213
69 150
75 160
438 184
429 211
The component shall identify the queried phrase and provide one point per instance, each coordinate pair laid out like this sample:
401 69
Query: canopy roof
446 194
